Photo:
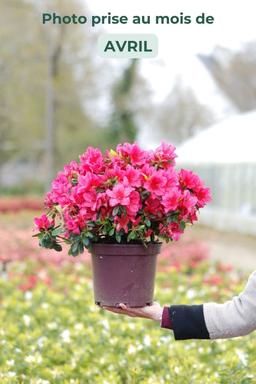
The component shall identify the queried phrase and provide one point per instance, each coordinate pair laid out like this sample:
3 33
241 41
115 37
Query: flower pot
124 273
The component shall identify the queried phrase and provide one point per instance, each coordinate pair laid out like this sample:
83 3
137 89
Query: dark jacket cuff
188 322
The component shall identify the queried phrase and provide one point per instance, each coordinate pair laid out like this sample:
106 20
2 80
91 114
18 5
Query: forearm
236 317
186 321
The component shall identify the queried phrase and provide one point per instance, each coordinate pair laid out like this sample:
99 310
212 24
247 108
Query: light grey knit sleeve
236 317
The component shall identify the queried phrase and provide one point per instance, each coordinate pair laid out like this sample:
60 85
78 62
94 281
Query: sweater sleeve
188 322
236 317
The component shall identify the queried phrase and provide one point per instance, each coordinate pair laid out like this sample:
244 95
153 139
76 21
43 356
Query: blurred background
58 97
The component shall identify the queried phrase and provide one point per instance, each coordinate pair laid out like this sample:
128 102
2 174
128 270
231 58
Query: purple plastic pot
124 273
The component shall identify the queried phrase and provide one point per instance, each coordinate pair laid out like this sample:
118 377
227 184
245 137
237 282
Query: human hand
152 312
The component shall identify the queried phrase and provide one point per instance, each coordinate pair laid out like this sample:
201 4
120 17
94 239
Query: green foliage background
78 79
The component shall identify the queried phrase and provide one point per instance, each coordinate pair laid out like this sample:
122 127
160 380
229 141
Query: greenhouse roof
233 140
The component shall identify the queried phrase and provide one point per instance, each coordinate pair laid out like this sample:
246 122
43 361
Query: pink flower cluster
126 194
43 223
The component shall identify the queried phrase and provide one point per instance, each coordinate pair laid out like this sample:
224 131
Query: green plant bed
53 333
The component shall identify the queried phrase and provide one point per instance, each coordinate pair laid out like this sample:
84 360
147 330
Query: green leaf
81 247
118 237
144 194
182 225
74 249
111 232
115 211
122 209
173 218
46 241
37 234
57 247
131 236
90 223
104 231
57 231
85 241
147 222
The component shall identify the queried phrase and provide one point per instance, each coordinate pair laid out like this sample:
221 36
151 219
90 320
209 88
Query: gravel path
230 248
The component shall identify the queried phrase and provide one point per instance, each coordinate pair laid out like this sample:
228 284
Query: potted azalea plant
120 206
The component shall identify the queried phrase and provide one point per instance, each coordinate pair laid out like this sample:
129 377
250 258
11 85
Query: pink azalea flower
188 201
135 203
104 213
204 196
119 195
175 231
135 221
71 168
92 160
59 192
170 201
148 233
172 230
88 181
144 182
102 200
171 177
153 206
90 200
43 223
189 180
133 176
132 153
114 173
74 224
122 223
137 156
155 183
193 215
163 230
164 155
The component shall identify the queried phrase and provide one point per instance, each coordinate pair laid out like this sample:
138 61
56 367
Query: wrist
166 321
157 315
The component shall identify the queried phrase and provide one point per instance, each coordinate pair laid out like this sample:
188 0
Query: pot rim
127 249
129 244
